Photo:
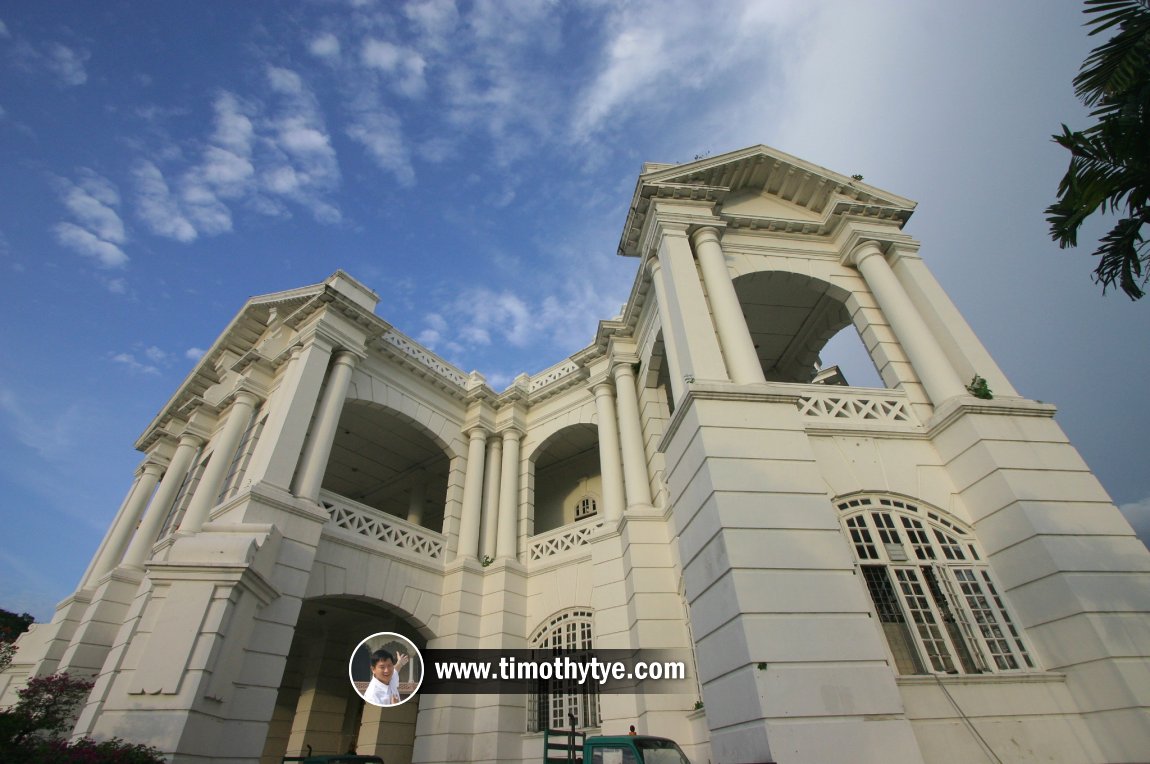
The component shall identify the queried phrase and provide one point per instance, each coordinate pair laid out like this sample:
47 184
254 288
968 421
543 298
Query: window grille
554 700
586 507
935 599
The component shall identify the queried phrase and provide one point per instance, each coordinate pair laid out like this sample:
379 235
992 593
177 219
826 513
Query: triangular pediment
761 204
761 187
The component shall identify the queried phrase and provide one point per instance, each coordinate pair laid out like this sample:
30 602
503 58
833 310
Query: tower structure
899 574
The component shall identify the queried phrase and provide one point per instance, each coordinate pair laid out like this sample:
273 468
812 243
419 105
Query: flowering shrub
31 730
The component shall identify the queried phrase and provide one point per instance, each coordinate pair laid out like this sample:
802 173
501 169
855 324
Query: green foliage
1110 162
12 625
979 388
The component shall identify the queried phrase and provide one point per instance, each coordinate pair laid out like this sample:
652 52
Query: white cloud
67 64
325 46
134 365
194 354
88 244
98 232
91 201
4 30
404 63
436 20
155 354
379 132
116 286
156 206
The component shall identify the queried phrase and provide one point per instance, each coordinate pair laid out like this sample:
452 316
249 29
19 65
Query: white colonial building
899 574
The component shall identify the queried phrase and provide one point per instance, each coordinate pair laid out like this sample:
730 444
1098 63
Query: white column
929 362
102 552
491 490
157 512
609 466
635 475
317 449
290 412
674 371
509 496
415 502
126 525
693 340
734 335
472 495
225 447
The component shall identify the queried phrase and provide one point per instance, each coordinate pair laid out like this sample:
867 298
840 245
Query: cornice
828 194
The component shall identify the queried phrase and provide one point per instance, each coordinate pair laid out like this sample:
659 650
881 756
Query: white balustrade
858 406
424 358
382 527
563 539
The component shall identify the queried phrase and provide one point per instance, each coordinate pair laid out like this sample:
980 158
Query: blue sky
472 162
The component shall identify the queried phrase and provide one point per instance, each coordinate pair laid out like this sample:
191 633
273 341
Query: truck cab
570 747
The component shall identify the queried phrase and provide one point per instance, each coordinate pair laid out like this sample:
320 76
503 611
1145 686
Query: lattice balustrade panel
557 372
562 540
422 357
856 408
388 530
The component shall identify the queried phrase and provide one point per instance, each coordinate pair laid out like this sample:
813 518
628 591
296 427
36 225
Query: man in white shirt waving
383 690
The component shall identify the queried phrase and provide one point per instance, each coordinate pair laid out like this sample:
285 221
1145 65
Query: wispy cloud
403 65
51 433
325 46
129 361
144 359
96 231
261 155
67 63
156 206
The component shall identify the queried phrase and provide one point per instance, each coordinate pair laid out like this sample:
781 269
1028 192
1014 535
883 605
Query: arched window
939 607
585 507
555 700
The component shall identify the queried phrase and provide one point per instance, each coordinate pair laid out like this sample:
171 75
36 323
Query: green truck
566 747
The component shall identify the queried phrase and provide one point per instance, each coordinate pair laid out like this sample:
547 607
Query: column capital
510 433
711 231
193 439
476 432
862 251
247 397
349 358
152 466
653 265
623 369
604 387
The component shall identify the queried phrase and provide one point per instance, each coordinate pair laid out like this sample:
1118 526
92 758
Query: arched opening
318 711
801 328
556 702
386 461
937 602
567 479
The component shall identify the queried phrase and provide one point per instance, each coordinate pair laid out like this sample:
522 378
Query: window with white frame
938 604
554 701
